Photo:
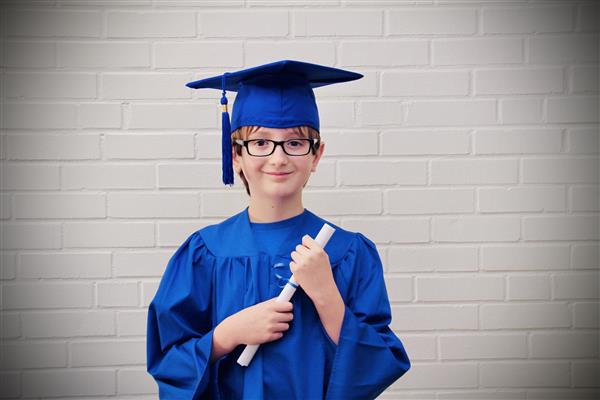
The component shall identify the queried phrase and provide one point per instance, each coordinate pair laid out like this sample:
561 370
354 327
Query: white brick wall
468 153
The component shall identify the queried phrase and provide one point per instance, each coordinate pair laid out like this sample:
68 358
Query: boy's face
258 170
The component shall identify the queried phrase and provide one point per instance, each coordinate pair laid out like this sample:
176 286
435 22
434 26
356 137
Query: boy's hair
243 132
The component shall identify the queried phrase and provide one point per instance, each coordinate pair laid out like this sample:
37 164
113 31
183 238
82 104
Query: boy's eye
261 142
295 143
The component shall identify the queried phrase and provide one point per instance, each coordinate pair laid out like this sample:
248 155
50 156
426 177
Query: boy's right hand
261 323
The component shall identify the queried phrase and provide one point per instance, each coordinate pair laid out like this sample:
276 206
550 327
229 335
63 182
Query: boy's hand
261 323
312 270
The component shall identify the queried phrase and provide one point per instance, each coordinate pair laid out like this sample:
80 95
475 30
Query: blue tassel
226 140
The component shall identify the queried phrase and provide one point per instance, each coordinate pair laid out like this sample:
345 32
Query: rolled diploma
286 294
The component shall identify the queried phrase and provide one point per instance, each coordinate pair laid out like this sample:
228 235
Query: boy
332 340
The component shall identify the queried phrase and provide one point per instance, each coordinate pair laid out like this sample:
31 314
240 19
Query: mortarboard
275 95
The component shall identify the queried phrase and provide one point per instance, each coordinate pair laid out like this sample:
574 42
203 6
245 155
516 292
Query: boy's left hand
312 270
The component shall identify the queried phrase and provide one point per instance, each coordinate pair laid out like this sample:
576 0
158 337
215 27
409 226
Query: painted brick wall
468 153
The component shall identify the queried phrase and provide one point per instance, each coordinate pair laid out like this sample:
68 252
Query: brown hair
244 132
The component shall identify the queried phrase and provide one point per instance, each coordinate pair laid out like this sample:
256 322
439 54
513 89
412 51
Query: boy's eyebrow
269 133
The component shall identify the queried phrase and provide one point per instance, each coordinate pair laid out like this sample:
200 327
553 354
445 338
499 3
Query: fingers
285 306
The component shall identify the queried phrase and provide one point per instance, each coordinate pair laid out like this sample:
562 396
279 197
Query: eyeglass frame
244 143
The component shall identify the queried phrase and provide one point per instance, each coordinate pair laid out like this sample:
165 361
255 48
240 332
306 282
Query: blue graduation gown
220 270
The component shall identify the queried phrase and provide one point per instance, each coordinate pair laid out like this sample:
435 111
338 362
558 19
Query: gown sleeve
369 357
179 327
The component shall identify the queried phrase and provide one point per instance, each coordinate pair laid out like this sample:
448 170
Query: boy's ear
318 155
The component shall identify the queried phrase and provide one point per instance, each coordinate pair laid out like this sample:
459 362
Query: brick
567 49
586 315
349 143
517 141
140 264
560 170
69 382
338 23
419 142
419 347
524 374
462 288
11 384
172 234
32 85
194 54
450 112
483 346
343 202
583 141
103 54
314 51
434 317
429 201
49 23
399 289
223 204
145 86
324 176
519 81
65 265
47 295
373 172
53 147
197 175
336 114
135 382
383 52
208 145
390 230
521 110
107 353
576 285
587 17
153 205
173 116
522 199
363 87
244 24
132 323
32 355
438 376
47 116
5 206
585 199
67 206
434 258
30 236
108 176
68 324
11 325
425 83
573 109
584 79
99 115
585 374
22 54
125 24
474 171
524 316
432 21
108 234
466 51
524 258
564 345
118 294
538 19
529 287
8 265
148 146
148 292
586 256
476 228
560 228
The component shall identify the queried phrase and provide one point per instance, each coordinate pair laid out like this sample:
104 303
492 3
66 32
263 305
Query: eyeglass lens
264 147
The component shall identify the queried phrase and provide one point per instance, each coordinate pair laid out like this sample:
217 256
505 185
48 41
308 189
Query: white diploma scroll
286 294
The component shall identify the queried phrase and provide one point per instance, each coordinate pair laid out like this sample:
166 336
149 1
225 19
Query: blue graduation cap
275 95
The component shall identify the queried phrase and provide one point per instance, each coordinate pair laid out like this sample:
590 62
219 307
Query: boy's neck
264 211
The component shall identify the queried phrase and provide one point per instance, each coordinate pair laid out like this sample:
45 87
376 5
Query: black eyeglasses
266 147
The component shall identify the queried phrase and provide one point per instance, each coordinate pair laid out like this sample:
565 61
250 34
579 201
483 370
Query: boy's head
277 95
257 169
